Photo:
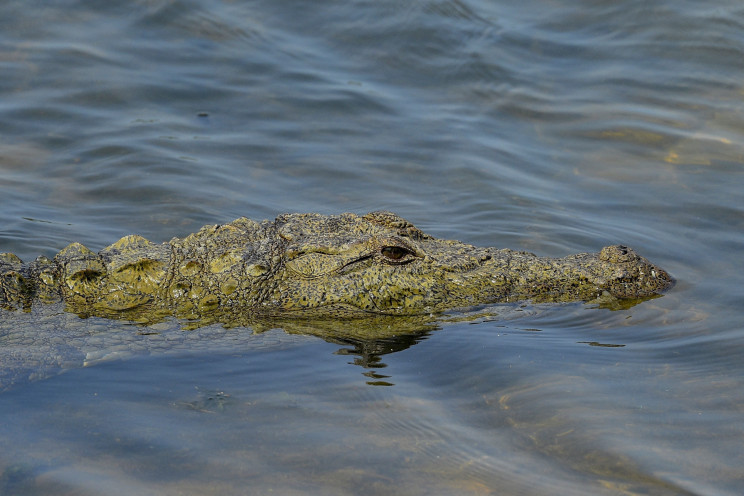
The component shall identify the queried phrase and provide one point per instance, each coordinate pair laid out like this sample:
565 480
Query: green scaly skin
310 265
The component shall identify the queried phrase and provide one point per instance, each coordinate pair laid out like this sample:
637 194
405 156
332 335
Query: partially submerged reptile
314 265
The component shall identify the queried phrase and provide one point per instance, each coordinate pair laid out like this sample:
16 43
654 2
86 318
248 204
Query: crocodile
312 265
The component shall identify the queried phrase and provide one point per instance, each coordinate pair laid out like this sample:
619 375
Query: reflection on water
47 339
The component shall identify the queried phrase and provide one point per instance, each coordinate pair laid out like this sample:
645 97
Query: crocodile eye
394 253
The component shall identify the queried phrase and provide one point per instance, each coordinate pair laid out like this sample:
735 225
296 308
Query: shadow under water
46 339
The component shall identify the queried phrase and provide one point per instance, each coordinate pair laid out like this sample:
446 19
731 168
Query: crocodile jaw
431 284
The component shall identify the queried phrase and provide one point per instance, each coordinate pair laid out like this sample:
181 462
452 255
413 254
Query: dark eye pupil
393 252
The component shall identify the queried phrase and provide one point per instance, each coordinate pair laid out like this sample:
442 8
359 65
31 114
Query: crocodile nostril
617 254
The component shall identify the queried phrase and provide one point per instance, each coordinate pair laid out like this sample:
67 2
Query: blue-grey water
555 127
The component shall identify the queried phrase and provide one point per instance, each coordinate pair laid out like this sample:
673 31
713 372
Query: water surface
553 127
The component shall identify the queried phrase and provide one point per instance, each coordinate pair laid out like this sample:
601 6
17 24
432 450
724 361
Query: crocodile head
381 263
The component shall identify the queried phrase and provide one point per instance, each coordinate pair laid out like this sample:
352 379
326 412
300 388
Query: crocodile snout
637 276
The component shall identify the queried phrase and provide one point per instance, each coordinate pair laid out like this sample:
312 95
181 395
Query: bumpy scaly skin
314 265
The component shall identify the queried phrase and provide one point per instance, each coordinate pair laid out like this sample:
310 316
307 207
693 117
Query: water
554 127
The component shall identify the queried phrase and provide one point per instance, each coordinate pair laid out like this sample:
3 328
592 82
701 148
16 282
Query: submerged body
314 265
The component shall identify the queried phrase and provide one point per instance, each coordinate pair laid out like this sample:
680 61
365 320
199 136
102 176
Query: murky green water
553 127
